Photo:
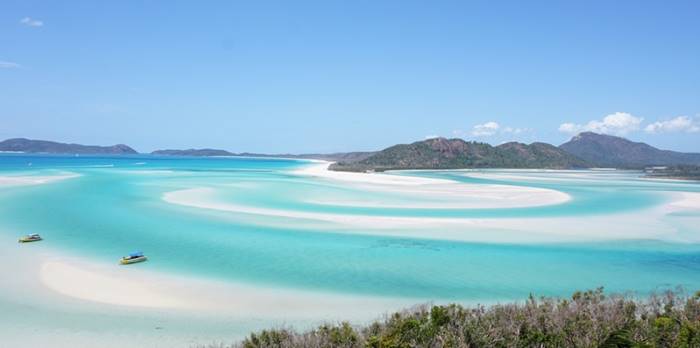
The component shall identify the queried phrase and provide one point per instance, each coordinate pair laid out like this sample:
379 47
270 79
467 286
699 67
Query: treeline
688 172
587 319
441 153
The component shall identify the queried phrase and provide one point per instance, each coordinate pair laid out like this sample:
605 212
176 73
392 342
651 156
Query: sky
326 76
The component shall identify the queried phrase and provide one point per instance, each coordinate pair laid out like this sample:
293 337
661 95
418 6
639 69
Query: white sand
453 194
105 287
563 176
320 170
599 227
130 286
685 201
457 195
50 283
50 299
24 180
622 226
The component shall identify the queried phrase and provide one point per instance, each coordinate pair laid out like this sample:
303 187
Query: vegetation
43 146
441 153
611 151
587 319
687 172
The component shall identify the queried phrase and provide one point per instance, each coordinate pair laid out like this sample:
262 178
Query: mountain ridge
584 150
53 147
443 153
613 151
337 156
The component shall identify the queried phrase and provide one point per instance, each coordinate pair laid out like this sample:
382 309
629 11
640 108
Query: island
679 172
52 147
585 150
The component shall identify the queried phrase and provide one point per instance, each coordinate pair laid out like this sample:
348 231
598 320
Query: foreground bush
588 319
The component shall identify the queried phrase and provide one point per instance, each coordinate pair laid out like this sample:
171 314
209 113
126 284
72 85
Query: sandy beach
24 180
466 195
104 293
122 286
619 226
131 287
125 299
508 230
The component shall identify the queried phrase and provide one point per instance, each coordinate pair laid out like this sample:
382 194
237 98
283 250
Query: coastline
488 196
47 281
51 281
26 180
525 230
126 286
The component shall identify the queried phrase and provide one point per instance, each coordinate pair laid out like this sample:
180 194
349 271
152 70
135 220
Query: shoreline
518 230
132 301
488 195
51 281
476 230
27 180
128 286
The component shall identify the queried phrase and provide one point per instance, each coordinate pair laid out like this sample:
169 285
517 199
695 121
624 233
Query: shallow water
116 205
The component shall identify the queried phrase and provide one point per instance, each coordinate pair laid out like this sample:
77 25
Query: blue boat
134 257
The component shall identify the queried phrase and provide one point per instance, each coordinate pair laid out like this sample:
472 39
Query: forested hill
44 146
442 153
611 151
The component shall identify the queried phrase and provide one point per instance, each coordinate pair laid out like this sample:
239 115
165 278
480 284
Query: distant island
611 151
193 152
340 156
52 147
585 150
441 153
681 172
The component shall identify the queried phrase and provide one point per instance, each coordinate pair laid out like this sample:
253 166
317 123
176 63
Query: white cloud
8 65
569 128
485 129
511 130
431 137
491 128
678 124
619 123
28 21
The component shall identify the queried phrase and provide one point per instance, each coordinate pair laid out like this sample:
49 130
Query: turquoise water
116 206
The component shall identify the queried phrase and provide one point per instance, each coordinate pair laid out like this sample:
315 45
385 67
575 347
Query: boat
134 257
30 238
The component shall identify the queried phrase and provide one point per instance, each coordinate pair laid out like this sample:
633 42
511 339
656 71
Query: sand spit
462 195
25 180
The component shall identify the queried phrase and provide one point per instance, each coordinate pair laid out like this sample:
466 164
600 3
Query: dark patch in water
405 244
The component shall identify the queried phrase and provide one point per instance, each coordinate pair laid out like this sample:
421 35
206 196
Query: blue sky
294 76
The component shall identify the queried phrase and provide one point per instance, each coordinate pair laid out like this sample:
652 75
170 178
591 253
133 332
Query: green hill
44 146
441 153
611 151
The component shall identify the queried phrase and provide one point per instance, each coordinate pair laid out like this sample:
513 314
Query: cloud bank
485 129
619 123
678 124
492 128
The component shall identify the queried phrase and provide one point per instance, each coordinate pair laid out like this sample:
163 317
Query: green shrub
588 319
